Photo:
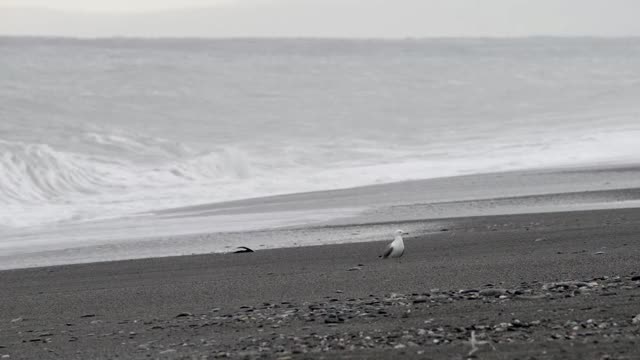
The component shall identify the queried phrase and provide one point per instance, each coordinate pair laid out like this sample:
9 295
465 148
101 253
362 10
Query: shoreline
150 307
383 227
550 176
325 217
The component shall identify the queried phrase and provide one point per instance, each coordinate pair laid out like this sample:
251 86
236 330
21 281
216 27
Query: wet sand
532 286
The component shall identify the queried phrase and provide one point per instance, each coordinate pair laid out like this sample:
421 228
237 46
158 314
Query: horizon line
315 37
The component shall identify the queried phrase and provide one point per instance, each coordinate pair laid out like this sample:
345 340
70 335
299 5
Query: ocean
113 128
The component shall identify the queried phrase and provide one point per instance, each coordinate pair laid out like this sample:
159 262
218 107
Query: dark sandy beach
534 286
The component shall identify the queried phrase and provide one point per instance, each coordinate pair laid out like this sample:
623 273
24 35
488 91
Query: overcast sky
320 18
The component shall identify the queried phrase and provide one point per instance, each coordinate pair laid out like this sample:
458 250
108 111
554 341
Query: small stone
332 319
468 291
599 253
400 346
88 315
492 292
19 319
564 285
168 351
636 320
355 268
184 314
635 278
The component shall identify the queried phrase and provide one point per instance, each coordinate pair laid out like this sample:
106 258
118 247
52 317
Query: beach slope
544 286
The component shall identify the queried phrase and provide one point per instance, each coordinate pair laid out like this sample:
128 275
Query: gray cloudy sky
319 18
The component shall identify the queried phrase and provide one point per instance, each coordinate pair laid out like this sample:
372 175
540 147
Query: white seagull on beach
396 248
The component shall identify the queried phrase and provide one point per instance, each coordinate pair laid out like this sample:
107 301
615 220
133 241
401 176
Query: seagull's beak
405 233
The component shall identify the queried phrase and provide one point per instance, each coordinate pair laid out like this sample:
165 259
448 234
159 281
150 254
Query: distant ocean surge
99 129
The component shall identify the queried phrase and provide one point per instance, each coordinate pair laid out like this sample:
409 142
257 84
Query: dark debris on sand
430 324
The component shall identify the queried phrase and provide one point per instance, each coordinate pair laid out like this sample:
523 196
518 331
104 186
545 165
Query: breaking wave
37 180
114 175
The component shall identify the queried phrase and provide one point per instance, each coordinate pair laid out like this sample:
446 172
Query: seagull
396 248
